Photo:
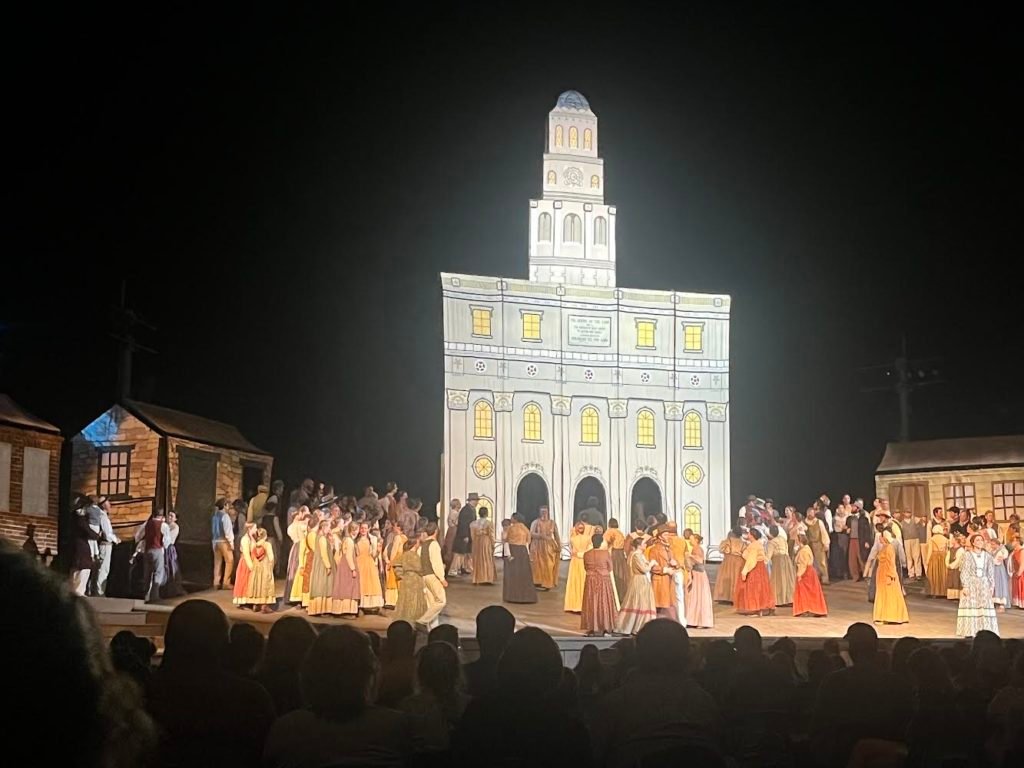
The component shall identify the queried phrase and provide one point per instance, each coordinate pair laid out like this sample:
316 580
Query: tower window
544 227
645 334
572 229
483 420
552 178
692 431
645 428
693 337
558 135
588 138
590 426
481 321
600 231
531 422
531 326
574 138
595 182
691 517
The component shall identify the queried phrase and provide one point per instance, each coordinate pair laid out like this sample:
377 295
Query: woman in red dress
599 614
753 594
1017 573
808 599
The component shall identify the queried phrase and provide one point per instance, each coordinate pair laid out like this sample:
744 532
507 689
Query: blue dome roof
572 100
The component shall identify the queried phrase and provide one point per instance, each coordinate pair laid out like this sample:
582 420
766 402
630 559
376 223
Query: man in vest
434 582
152 534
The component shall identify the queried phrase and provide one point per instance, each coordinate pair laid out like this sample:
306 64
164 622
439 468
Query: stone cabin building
144 456
29 475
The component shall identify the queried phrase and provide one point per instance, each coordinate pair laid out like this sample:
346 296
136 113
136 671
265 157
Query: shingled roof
14 415
961 453
172 423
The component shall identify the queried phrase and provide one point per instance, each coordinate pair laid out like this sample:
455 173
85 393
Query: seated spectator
495 626
340 726
444 633
245 649
290 639
133 656
397 664
438 704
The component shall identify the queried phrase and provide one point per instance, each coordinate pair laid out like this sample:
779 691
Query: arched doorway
644 500
590 495
531 495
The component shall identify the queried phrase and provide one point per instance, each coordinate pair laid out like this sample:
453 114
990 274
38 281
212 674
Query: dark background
281 187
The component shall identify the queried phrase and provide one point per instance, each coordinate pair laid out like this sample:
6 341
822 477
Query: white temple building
564 387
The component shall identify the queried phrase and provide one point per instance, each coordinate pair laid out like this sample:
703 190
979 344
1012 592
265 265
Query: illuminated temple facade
563 386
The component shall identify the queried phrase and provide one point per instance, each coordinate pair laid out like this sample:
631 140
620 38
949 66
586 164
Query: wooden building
980 473
29 475
144 456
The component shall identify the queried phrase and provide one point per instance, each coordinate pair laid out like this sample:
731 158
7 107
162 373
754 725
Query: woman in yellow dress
890 605
371 598
297 531
545 550
579 544
393 551
481 536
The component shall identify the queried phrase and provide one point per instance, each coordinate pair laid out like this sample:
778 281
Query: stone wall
12 521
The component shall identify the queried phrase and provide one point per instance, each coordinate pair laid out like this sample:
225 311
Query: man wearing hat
746 513
862 536
462 547
255 511
667 579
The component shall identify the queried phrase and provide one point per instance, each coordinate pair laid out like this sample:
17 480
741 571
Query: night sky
280 188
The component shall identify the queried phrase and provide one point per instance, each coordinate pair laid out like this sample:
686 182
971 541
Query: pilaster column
718 474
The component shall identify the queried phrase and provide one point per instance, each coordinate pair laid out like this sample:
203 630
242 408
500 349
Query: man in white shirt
222 534
825 511
107 541
434 582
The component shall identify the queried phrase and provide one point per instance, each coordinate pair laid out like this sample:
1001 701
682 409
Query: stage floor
847 602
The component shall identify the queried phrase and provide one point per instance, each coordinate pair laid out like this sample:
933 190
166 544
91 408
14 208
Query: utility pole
126 321
904 376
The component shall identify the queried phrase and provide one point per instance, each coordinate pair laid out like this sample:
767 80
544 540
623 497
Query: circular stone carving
693 474
483 467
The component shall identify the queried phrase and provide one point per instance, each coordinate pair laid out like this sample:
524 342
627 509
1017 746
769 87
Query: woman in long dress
297 530
977 579
935 562
262 591
732 563
244 567
753 594
371 599
782 575
481 537
517 584
321 577
392 552
451 526
306 576
1000 556
808 598
172 585
890 606
412 603
615 540
700 608
345 590
545 551
579 544
598 614
638 605
954 556
1016 568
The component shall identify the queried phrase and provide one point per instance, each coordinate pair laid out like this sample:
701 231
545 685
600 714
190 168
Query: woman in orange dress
372 598
391 553
753 594
1016 565
808 599
890 605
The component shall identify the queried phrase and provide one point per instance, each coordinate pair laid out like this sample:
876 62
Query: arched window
590 426
483 420
531 422
544 227
574 138
692 430
645 428
600 231
588 138
558 135
572 229
595 182
691 518
552 177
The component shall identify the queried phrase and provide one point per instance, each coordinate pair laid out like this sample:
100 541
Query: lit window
481 321
691 518
114 469
483 420
572 229
692 437
600 231
590 425
1007 498
588 138
531 326
574 138
558 135
595 182
959 495
693 474
645 334
531 422
693 337
544 227
645 428
552 178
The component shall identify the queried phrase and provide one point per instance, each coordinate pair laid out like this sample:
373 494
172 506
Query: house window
115 468
483 420
691 518
544 227
531 422
595 182
5 477
481 321
959 494
558 135
692 431
693 337
35 482
552 178
531 326
588 138
1007 498
590 426
645 334
600 231
645 428
572 229
574 138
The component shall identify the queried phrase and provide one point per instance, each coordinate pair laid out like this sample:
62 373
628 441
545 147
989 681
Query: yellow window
691 518
481 321
589 422
552 177
558 135
531 422
645 428
531 326
574 138
693 338
645 334
692 437
595 182
693 474
588 138
483 420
